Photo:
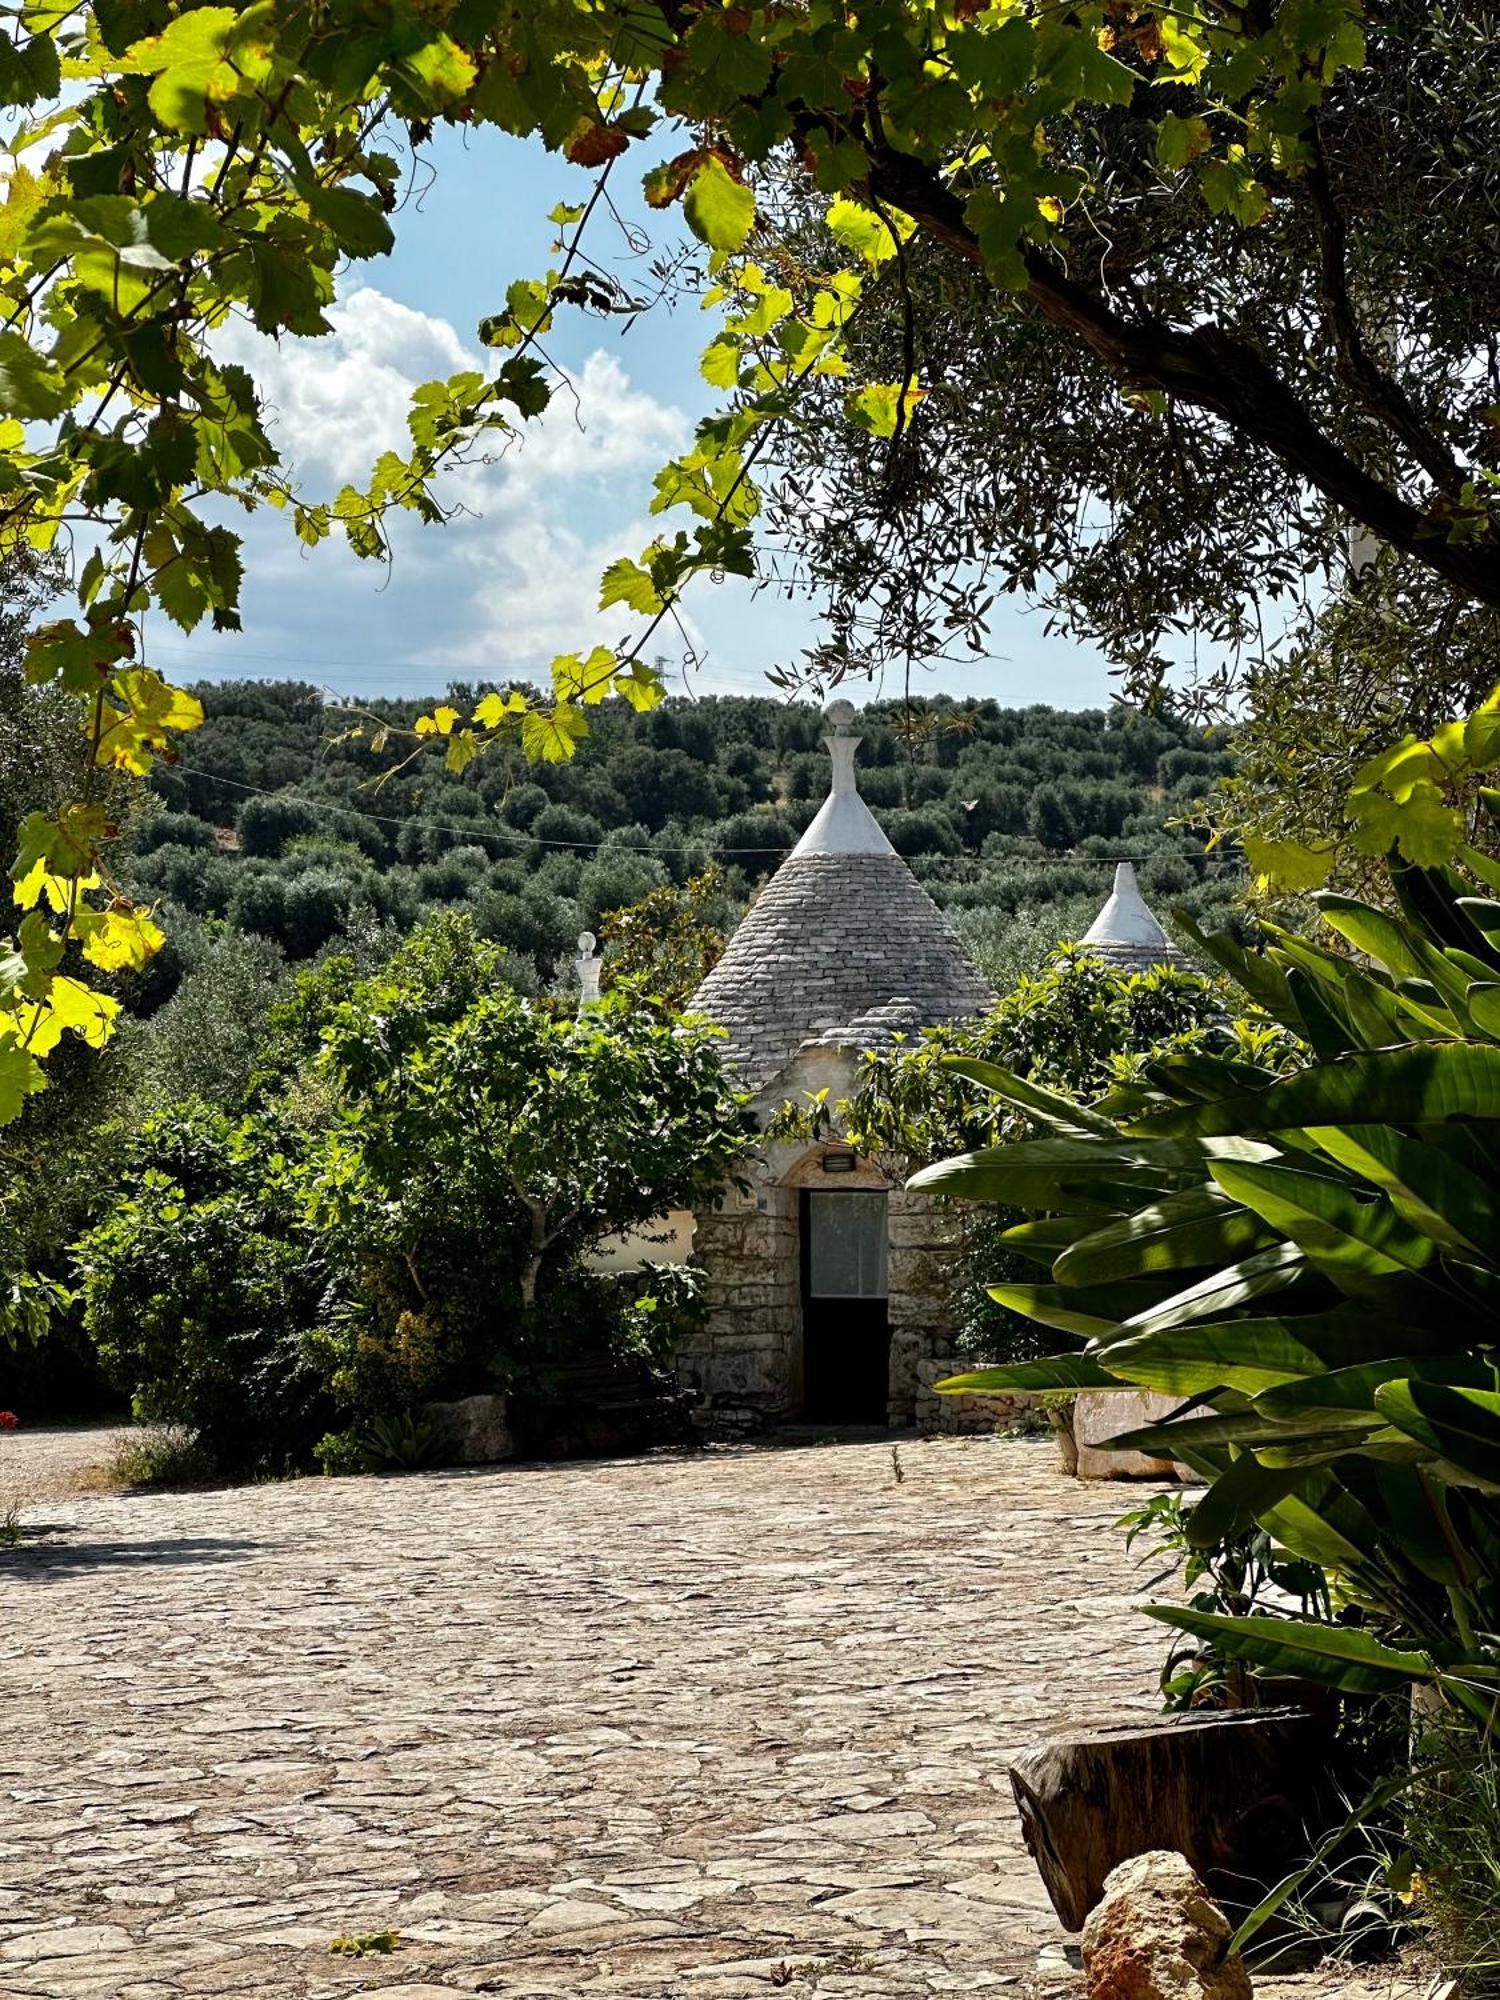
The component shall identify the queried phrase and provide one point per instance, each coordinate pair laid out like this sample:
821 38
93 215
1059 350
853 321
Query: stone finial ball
586 943
839 713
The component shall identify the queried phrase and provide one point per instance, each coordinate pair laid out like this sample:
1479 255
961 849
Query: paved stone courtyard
678 1728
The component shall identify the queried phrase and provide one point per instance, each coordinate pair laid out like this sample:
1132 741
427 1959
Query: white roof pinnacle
844 824
1125 918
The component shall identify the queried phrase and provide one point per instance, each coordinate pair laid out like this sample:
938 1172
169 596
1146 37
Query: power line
395 669
474 833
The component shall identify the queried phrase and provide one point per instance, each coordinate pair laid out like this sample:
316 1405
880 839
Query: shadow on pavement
38 1561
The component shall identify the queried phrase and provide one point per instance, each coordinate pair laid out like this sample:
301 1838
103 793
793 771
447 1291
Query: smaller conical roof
1126 933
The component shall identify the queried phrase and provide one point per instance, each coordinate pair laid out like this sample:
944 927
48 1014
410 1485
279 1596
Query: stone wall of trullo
744 1365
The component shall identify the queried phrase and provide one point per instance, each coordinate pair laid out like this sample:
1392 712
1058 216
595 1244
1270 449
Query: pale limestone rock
1158 1935
479 1427
1100 1414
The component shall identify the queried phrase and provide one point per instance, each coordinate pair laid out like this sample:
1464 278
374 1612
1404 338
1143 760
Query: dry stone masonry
842 950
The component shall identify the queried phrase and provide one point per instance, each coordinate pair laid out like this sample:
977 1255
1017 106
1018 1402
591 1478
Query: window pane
847 1250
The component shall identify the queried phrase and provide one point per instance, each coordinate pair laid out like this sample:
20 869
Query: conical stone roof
841 940
1126 934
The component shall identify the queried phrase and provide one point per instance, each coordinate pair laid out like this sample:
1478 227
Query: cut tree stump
1237 1792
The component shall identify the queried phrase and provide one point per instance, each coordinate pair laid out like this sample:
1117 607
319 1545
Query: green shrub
200 1285
411 1441
528 1132
1452 1826
266 825
163 1457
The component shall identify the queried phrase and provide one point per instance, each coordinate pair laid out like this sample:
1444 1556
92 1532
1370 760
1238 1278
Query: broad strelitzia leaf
1236 1500
1199 1226
1321 1522
1194 1434
1426 1184
1460 1426
1484 1007
1347 1395
1375 932
1410 1509
1432 901
1355 1241
1255 1355
1425 1084
1046 1105
1339 1655
1267 1271
1260 976
1043 1239
1073 1309
1326 1447
1071 1174
1057 1371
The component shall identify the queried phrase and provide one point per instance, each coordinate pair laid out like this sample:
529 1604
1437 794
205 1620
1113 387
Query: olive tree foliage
1096 450
176 164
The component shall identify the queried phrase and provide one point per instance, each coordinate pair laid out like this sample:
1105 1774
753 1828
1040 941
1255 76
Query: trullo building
826 1279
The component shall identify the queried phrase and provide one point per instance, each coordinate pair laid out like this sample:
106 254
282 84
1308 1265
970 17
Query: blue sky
513 580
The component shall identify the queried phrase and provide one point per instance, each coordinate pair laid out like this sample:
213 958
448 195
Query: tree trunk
1236 1792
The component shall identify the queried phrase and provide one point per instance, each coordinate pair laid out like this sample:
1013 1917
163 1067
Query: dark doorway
846 1327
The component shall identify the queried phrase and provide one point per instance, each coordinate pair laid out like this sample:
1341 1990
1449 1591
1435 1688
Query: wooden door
846 1331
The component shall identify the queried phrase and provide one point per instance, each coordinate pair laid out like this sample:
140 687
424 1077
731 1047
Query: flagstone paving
676 1728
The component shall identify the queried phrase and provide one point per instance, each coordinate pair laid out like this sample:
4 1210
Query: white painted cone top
1125 918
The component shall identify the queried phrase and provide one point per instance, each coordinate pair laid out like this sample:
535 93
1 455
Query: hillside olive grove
281 825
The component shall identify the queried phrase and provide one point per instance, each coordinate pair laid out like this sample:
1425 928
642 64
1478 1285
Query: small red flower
9 1421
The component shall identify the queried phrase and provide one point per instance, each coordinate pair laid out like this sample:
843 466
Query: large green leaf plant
1309 1260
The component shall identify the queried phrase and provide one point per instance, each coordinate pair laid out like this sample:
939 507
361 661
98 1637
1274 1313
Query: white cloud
597 426
513 579
335 403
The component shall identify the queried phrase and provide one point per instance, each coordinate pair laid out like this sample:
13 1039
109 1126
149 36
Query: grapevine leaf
20 1076
720 210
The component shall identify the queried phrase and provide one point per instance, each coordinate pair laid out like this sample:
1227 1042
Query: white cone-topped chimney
590 960
1125 918
845 824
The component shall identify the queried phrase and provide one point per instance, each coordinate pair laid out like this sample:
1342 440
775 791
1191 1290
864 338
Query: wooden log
1238 1792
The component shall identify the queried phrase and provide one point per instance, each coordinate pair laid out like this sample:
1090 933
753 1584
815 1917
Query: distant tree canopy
276 827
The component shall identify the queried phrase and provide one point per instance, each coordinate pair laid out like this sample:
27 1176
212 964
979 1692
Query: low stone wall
961 1416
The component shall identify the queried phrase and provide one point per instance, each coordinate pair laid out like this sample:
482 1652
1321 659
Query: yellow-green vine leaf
20 1076
626 582
1421 825
866 233
70 1007
720 210
1287 863
884 407
553 738
498 709
575 679
118 939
